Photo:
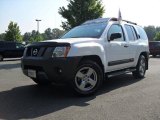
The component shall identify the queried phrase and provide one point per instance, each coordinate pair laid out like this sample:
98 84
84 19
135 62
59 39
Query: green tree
157 29
13 33
79 11
157 37
38 38
2 36
151 32
48 34
57 33
35 37
26 36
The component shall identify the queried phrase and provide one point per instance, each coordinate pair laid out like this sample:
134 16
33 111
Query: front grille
40 49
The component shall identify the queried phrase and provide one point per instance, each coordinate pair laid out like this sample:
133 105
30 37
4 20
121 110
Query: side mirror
115 36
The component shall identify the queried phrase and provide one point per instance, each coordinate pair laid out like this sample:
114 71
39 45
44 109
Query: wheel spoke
92 82
80 75
82 85
142 71
90 72
140 68
144 65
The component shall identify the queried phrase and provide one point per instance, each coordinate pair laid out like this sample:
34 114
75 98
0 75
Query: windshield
86 31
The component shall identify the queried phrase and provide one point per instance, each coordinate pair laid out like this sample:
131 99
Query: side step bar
120 72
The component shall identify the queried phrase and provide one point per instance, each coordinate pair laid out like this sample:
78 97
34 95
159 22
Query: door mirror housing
115 36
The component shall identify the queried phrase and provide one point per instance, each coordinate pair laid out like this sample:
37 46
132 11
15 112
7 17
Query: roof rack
130 22
116 19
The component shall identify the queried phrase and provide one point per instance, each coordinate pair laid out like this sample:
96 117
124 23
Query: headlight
60 52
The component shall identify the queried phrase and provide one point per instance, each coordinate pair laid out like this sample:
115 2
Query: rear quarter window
142 33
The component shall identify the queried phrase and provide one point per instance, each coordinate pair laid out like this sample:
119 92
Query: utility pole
37 20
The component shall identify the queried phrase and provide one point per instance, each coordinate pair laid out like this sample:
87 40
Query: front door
117 50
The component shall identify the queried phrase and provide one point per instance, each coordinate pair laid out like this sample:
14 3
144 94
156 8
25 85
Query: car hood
72 40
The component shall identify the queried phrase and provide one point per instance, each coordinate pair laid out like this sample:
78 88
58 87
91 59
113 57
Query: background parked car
11 49
154 47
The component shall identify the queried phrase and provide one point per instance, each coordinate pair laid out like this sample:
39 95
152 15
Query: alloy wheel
86 79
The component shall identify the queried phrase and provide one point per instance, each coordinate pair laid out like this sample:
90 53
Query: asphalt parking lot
120 98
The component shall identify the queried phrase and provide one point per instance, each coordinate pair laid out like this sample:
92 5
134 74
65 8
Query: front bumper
54 69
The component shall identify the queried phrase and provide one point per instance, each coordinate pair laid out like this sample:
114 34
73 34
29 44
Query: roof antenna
119 16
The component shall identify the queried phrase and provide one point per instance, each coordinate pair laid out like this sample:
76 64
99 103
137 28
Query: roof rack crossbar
130 22
115 19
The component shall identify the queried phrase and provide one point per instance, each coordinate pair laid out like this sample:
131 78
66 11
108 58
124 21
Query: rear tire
140 68
41 82
88 78
1 58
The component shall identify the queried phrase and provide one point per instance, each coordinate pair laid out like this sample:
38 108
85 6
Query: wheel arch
146 55
94 58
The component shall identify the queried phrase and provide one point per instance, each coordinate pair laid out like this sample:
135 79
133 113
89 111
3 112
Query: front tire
140 68
88 78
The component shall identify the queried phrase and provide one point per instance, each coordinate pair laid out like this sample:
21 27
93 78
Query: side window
131 32
142 33
116 29
19 45
134 33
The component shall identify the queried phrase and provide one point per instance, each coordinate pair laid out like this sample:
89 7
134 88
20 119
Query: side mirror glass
115 36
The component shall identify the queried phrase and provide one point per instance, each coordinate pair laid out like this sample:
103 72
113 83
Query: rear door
9 51
132 37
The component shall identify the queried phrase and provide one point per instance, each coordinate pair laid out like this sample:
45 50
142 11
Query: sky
24 12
